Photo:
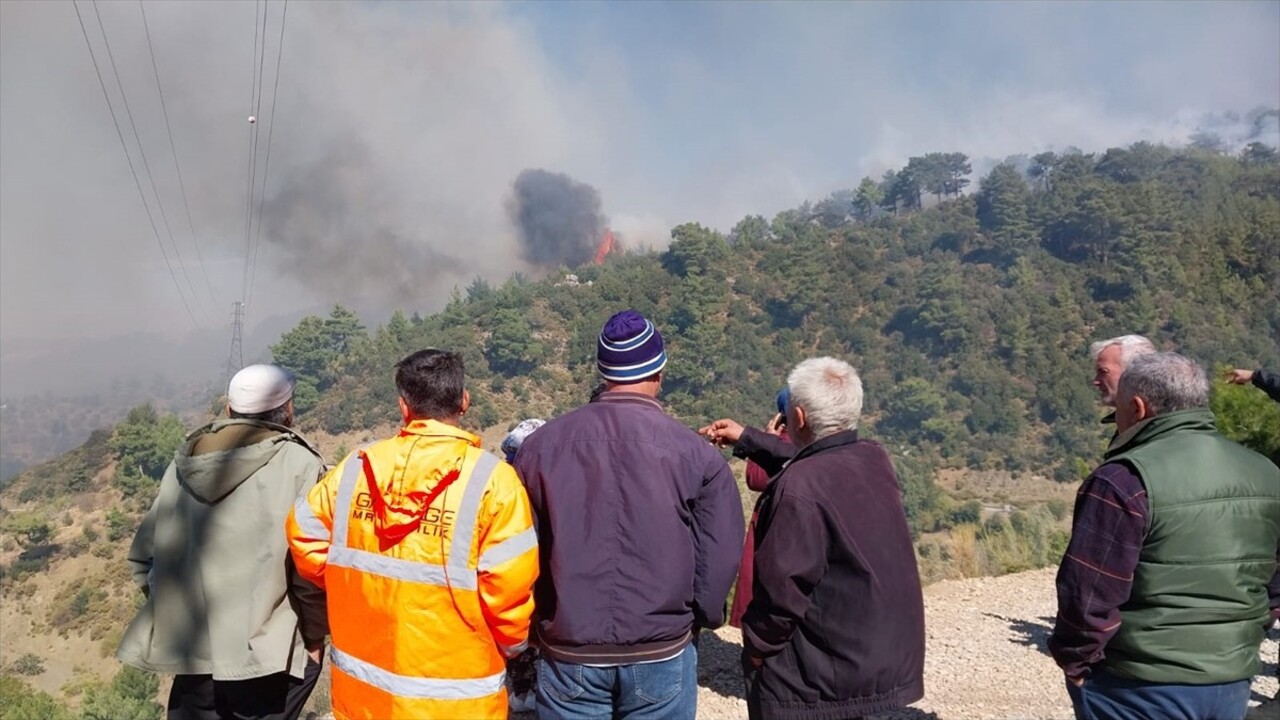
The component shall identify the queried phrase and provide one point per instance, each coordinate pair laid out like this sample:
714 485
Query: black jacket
837 612
1268 382
639 528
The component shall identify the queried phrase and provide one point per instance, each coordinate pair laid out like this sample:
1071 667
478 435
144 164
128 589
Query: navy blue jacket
836 609
640 529
1268 382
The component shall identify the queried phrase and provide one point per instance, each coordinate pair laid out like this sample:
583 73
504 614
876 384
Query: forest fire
606 247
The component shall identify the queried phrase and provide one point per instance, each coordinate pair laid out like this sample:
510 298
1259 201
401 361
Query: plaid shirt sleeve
1096 575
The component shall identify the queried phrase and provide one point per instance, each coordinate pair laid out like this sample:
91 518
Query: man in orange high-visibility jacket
426 548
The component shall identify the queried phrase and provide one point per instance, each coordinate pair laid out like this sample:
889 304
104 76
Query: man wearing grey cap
225 612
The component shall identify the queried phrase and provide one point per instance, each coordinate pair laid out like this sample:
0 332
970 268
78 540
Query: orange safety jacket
426 548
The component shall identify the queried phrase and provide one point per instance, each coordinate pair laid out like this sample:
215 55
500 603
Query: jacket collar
435 428
835 440
627 398
1196 419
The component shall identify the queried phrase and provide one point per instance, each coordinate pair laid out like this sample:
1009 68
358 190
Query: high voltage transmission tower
235 360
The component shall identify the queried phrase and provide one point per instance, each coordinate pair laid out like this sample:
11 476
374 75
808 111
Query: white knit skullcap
259 388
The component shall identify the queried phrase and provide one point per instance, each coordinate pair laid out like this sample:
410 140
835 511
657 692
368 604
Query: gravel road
986 658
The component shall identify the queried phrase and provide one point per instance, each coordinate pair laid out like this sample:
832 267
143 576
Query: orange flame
606 247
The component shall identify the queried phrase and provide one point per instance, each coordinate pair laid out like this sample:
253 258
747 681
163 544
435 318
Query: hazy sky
400 128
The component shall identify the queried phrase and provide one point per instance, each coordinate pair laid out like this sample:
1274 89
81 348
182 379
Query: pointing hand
722 432
1239 377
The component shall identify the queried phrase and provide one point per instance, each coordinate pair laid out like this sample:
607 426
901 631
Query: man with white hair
835 627
226 612
1110 358
1161 592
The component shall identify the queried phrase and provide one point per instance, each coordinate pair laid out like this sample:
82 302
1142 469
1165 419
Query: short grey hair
1131 346
276 416
1166 381
830 392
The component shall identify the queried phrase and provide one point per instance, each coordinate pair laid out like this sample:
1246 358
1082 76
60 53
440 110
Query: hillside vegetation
969 320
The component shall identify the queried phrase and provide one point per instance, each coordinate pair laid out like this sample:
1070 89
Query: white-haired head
1158 384
830 393
1111 357
1131 346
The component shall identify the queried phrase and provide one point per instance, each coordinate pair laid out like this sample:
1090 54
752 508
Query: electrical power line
254 75
132 170
266 170
169 131
143 152
250 270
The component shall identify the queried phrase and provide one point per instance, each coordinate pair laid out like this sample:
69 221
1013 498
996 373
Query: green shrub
19 701
134 484
969 512
118 524
30 529
145 442
29 664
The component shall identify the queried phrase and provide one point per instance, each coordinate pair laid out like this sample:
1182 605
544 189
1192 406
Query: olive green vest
1199 599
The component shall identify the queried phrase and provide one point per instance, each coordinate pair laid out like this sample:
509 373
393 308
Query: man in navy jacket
835 628
640 527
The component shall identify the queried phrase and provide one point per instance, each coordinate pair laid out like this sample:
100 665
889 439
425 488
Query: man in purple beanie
639 528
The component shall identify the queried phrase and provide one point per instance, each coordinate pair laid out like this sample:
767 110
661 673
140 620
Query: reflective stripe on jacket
426 547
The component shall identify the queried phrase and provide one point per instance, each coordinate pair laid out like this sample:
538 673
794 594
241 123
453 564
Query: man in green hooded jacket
226 613
1162 599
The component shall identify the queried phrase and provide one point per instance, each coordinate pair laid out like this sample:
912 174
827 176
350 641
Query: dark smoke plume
558 218
334 226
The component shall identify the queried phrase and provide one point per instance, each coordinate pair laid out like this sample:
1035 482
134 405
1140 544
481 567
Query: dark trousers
273 697
1107 697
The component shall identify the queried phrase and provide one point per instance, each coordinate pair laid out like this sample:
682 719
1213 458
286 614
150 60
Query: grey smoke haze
558 218
399 128
333 222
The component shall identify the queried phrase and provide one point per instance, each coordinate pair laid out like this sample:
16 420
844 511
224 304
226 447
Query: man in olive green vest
1162 598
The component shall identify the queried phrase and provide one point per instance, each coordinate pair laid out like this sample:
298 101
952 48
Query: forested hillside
969 319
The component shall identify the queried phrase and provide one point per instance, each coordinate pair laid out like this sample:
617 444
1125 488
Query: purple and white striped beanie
629 348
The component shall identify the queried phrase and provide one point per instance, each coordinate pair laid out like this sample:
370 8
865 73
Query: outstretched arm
768 451
1268 382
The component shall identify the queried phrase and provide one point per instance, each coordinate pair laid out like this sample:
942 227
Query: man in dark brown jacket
835 628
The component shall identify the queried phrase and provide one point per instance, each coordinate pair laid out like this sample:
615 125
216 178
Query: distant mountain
55 392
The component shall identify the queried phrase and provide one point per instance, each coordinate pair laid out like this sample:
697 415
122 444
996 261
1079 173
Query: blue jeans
666 690
1107 697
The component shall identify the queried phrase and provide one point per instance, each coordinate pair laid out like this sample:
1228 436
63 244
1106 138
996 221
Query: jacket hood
218 458
428 459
